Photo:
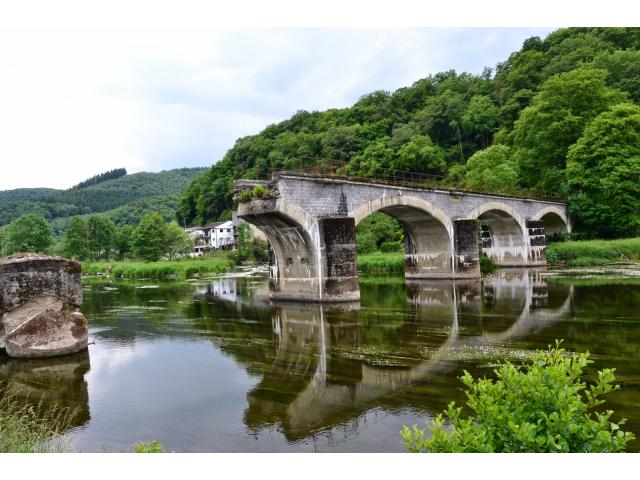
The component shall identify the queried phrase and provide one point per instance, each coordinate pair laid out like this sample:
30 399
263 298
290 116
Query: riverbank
585 253
183 268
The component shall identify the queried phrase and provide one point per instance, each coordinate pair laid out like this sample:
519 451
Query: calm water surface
213 366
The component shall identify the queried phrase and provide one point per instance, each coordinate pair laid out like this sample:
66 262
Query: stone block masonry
39 298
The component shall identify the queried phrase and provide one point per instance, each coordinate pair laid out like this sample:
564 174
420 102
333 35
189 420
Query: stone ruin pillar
39 300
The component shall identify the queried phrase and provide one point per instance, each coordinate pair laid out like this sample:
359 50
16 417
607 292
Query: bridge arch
294 269
555 221
428 230
504 235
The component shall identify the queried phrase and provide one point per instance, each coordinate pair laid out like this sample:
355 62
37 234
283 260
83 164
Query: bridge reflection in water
325 373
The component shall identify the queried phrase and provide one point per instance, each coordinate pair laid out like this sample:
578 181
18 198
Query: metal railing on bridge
324 167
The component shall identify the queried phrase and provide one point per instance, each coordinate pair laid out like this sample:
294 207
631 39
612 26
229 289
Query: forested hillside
102 193
558 116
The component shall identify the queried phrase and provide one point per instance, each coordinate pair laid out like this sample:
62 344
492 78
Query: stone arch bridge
310 223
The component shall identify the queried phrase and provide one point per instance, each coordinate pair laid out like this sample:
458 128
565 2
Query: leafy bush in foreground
543 407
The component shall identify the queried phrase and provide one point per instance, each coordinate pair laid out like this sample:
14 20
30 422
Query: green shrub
391 247
487 265
259 191
245 196
542 407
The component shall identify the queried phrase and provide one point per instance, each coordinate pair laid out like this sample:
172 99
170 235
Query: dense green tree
76 239
28 233
178 242
149 239
491 170
122 240
376 229
623 70
421 155
375 160
603 171
101 233
565 104
480 119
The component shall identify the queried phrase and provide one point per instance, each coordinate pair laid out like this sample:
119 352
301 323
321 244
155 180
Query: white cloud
76 103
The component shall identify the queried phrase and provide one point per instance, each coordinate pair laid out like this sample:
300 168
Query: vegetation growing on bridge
528 124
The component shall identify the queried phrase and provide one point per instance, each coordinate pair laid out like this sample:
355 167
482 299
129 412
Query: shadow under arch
555 221
504 235
429 247
294 266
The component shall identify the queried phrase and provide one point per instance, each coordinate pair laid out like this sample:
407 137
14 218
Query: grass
25 428
593 252
183 268
378 262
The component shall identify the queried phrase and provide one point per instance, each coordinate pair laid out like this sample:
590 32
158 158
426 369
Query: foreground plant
26 428
541 407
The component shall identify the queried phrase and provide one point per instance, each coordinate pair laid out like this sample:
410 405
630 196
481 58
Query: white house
213 236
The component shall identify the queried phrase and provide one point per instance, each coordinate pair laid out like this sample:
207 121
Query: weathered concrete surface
39 295
28 275
441 239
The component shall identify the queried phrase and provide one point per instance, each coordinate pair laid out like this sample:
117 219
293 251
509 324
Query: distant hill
160 188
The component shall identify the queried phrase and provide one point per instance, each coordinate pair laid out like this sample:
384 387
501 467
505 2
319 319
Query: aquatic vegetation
540 407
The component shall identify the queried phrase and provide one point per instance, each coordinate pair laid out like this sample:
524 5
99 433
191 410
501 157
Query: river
213 366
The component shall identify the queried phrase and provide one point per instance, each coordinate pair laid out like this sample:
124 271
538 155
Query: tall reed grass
594 252
28 428
183 268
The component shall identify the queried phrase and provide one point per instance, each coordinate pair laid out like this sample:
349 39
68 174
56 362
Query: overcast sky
77 103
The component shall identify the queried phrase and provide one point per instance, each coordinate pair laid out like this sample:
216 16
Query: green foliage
421 155
563 107
161 188
122 240
28 233
594 252
101 233
487 265
76 240
391 247
376 229
248 248
603 172
492 170
543 406
149 447
149 238
177 241
102 177
259 191
244 196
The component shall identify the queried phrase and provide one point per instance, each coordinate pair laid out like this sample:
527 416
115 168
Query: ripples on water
214 366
